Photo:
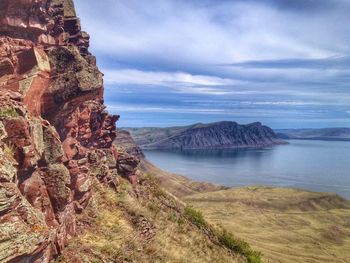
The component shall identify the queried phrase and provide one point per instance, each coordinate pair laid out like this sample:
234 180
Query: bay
306 164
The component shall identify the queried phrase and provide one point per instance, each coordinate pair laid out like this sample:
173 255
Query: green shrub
238 246
196 217
255 257
224 237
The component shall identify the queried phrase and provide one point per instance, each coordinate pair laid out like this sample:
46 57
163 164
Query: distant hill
329 134
216 135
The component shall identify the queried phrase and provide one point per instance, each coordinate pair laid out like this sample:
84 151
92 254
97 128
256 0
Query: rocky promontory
225 134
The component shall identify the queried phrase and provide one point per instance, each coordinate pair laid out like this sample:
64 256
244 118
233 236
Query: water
312 165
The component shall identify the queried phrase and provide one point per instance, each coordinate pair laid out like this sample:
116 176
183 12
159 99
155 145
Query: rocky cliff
125 143
216 135
55 134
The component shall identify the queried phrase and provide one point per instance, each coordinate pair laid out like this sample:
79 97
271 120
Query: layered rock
125 143
44 22
55 134
218 135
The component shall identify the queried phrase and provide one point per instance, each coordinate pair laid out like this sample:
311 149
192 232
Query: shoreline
213 187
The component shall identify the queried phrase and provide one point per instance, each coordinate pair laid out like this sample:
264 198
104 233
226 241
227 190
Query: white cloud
228 31
282 103
126 108
131 76
178 81
238 113
176 47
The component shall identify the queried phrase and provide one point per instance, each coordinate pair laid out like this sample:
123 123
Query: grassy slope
286 225
178 185
148 225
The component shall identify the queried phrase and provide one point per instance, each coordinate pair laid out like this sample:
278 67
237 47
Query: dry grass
286 225
177 184
120 226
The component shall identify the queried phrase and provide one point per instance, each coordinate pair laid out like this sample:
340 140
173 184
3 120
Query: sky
285 63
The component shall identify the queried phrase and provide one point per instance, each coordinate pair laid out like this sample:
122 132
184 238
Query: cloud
226 31
282 103
177 81
321 63
244 56
249 114
125 108
130 76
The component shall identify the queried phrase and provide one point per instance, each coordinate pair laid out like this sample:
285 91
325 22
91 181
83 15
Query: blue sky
285 63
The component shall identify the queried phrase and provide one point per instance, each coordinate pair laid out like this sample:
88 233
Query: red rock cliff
55 134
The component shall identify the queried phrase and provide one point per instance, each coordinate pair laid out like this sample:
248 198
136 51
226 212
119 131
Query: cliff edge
55 134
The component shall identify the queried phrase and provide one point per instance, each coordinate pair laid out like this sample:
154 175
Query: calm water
312 165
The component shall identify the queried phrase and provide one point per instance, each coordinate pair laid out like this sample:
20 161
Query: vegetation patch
224 237
195 216
9 150
238 246
8 112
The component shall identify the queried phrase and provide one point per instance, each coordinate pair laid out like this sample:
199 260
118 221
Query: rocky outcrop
125 143
208 136
55 134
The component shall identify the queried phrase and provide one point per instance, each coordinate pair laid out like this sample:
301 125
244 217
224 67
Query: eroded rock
55 133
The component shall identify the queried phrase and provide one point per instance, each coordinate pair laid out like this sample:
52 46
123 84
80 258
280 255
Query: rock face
208 136
125 143
55 134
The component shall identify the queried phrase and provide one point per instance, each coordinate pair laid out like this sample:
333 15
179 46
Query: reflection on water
222 153
313 165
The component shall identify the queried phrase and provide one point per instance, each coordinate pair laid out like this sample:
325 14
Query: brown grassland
286 225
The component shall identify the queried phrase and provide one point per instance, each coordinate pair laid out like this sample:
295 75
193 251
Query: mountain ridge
223 134
328 134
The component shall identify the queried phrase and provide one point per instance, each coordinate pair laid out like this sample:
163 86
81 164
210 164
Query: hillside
286 225
328 134
206 136
148 225
310 227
